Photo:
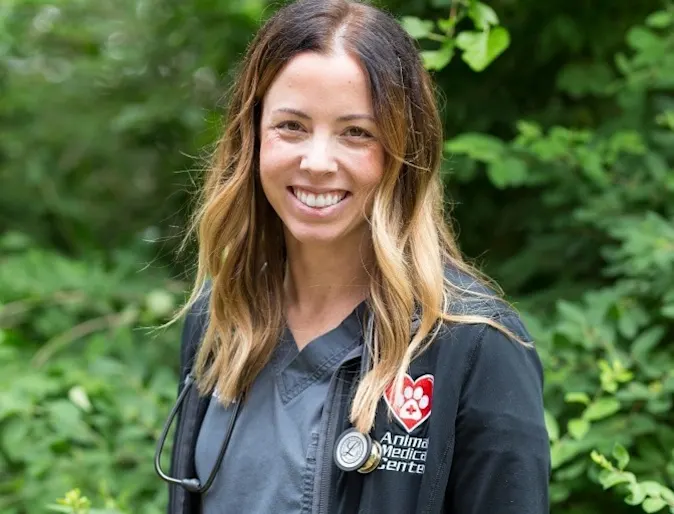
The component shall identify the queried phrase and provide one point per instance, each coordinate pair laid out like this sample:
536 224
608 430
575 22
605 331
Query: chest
274 441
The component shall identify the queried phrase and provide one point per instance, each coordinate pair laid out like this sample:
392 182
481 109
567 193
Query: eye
357 132
290 126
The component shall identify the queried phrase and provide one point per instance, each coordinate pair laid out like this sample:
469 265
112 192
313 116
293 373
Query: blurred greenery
559 120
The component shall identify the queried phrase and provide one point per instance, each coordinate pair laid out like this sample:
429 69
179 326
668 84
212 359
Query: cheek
275 156
370 166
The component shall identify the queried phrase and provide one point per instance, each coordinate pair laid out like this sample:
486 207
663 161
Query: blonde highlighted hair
240 237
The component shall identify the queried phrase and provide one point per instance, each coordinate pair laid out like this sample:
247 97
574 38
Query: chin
314 234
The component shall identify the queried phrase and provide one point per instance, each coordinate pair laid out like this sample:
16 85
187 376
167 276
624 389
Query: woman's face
320 155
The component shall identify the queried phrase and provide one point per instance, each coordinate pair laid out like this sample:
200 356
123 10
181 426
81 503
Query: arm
501 461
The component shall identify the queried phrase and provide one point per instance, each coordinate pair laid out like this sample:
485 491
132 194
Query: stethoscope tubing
193 485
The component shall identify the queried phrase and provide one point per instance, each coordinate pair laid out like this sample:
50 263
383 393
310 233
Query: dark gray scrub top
270 462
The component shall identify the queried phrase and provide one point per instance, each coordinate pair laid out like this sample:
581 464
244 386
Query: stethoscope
354 451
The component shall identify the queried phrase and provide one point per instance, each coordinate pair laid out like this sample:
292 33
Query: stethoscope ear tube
193 485
164 433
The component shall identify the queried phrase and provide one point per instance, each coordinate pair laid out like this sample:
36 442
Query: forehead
325 82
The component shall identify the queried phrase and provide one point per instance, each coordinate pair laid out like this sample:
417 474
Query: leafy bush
103 106
84 388
74 503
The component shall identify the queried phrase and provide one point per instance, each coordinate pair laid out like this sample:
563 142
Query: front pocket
308 475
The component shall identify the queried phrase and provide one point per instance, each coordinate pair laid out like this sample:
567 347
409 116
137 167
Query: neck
321 277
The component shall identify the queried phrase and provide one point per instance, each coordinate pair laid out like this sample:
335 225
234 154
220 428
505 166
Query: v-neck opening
296 370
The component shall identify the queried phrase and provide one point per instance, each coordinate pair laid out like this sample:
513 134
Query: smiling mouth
318 201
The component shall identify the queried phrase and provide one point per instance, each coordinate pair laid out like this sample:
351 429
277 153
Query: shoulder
469 295
491 339
495 354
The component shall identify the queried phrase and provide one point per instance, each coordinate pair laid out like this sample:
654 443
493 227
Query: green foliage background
559 120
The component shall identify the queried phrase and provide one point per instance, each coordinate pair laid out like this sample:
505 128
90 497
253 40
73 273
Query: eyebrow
347 117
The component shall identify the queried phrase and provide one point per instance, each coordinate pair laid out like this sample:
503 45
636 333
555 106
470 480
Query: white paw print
413 400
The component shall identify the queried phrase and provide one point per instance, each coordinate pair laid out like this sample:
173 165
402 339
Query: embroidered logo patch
411 406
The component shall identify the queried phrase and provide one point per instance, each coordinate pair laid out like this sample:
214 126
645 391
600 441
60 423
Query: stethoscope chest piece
355 451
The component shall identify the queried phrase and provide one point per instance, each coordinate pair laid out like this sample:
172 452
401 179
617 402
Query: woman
331 296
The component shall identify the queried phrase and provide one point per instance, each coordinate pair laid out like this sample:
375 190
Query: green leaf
668 311
160 303
592 166
416 27
559 492
482 15
79 397
12 240
551 426
667 495
15 437
66 420
572 471
652 488
447 25
563 451
60 508
640 38
572 312
620 455
481 48
660 19
653 504
600 459
585 78
509 171
438 59
628 324
636 496
626 141
480 147
578 428
609 478
648 339
577 398
601 409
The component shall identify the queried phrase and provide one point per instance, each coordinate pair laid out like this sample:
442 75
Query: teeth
322 200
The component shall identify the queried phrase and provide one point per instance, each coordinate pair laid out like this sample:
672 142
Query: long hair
240 237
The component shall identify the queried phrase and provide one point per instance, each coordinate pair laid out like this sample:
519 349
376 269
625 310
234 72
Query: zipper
325 476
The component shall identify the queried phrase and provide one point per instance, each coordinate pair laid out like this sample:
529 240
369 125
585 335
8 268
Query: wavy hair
240 237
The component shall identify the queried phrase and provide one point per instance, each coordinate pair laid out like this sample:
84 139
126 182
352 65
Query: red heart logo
412 405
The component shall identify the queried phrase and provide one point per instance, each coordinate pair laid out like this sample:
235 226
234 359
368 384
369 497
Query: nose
318 157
